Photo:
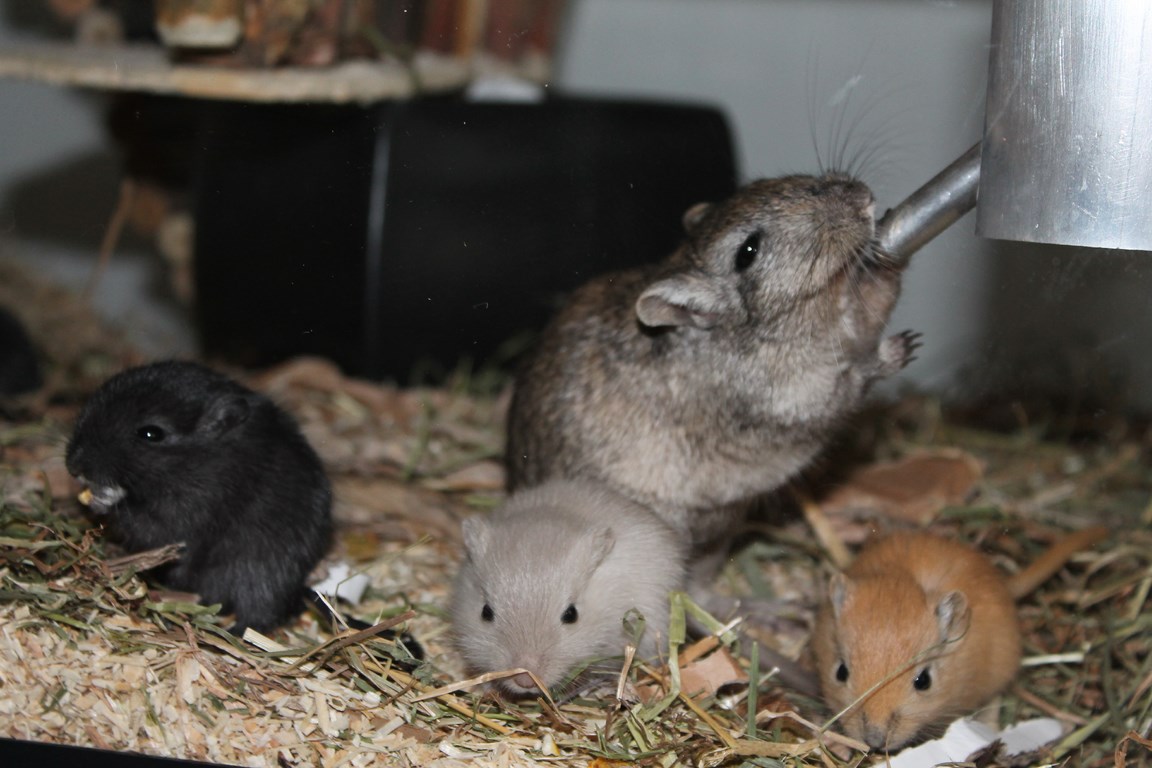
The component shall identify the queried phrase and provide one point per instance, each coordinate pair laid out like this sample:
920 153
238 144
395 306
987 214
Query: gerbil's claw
897 351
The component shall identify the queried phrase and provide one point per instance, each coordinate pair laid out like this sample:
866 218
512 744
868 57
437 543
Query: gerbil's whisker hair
884 133
843 148
843 126
595 673
811 79
854 167
848 130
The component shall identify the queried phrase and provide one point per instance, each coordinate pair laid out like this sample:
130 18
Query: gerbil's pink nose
523 680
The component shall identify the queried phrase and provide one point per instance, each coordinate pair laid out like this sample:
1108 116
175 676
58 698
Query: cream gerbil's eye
923 680
486 613
842 673
151 433
570 615
747 252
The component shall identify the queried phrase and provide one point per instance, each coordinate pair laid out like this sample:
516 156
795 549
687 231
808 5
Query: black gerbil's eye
486 613
570 615
842 673
923 680
151 433
747 252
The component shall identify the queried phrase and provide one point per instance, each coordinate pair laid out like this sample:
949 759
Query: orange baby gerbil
920 630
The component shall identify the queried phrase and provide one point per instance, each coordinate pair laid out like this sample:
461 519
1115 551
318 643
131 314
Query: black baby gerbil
175 452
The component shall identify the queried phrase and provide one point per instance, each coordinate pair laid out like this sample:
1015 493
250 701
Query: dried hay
90 656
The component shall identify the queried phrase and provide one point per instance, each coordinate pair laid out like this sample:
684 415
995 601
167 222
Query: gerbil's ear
953 616
224 414
693 215
601 541
839 589
682 300
476 536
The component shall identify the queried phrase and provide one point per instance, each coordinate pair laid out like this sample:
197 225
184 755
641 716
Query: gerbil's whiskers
810 97
841 129
878 140
595 672
855 142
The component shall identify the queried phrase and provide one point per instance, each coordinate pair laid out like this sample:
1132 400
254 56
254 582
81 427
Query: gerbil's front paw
897 351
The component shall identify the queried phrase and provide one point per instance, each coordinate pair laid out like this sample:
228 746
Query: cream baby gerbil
550 575
696 385
922 630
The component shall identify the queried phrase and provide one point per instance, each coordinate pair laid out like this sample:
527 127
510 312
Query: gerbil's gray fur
549 576
699 384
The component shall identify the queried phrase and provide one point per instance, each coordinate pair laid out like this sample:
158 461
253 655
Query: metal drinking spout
1067 150
1066 156
930 210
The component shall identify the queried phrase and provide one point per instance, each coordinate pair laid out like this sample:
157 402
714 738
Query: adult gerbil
175 452
921 630
698 384
549 576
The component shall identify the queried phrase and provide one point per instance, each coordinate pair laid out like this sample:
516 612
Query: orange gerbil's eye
923 680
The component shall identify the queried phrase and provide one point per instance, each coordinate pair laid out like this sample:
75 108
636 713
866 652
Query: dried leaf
709 674
481 476
911 490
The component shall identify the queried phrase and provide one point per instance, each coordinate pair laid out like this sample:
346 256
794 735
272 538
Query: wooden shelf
148 68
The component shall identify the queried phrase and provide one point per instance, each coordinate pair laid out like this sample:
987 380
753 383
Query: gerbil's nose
860 195
874 736
524 681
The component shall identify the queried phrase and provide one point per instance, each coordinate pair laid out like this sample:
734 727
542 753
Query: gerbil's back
573 363
936 562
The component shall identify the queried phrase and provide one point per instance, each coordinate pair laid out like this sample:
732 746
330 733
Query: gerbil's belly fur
680 450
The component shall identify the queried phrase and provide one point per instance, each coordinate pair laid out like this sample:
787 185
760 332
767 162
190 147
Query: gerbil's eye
151 433
923 680
486 613
842 673
747 252
570 615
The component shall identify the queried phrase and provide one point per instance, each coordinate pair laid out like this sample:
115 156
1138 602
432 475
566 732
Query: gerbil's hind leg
895 352
261 598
